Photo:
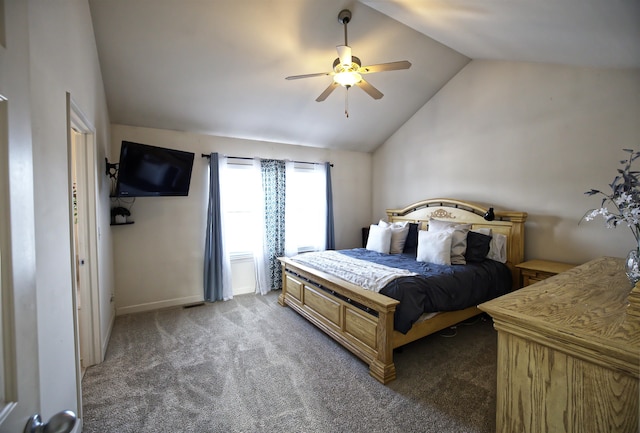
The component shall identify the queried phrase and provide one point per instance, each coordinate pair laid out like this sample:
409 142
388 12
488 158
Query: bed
362 320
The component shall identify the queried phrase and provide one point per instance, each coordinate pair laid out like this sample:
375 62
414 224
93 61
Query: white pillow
483 230
379 239
458 241
498 248
399 232
434 247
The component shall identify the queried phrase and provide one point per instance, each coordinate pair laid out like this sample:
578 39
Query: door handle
62 422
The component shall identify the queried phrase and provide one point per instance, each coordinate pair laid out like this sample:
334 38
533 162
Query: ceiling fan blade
372 91
318 74
344 53
327 91
393 66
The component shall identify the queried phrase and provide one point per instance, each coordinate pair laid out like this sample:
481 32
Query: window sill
236 257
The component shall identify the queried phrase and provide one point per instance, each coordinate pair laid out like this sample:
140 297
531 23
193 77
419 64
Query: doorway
84 240
81 253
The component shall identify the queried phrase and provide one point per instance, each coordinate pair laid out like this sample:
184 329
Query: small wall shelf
122 224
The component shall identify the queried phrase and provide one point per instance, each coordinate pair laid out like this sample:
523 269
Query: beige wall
520 136
159 259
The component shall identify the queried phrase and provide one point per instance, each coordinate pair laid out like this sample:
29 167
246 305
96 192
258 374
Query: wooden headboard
510 224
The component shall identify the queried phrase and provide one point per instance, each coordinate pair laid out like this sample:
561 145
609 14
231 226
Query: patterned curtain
273 183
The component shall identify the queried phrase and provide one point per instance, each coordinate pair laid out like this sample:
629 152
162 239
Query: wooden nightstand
538 270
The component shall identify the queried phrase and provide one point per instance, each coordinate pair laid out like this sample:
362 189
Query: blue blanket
437 287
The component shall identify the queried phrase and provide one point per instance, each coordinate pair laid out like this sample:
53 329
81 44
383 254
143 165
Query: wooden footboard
360 320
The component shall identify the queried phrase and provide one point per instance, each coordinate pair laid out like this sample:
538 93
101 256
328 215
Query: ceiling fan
348 70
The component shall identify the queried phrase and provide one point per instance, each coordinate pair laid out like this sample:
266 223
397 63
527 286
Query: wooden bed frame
362 320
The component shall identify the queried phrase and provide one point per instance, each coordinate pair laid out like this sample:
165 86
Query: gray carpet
250 365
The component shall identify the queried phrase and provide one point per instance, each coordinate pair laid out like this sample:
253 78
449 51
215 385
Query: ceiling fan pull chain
346 102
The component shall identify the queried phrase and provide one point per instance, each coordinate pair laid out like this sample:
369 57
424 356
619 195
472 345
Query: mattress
436 288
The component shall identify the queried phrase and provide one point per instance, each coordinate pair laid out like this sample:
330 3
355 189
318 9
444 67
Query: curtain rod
204 155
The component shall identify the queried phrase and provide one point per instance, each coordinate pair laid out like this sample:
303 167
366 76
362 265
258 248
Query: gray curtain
331 241
273 184
213 254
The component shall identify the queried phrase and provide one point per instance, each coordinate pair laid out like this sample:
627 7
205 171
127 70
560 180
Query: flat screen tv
151 171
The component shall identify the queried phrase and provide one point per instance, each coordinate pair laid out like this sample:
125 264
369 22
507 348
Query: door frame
77 121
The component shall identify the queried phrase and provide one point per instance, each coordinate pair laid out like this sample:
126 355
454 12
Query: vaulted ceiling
218 66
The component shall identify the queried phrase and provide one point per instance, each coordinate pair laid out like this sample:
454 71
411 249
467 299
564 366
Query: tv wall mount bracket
111 169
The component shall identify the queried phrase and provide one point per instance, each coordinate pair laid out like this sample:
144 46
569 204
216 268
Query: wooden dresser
568 353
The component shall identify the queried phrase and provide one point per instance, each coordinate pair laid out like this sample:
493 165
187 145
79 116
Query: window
242 200
305 208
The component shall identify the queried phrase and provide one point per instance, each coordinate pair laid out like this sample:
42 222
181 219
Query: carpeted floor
250 365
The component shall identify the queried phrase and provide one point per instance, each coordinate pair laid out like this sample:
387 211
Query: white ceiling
218 66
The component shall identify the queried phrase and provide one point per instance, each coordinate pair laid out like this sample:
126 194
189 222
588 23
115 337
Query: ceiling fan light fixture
347 78
347 75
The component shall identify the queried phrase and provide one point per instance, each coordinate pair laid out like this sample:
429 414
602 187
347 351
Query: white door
18 336
18 331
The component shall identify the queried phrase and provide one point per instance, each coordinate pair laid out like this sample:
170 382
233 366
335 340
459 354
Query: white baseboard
158 305
105 343
243 290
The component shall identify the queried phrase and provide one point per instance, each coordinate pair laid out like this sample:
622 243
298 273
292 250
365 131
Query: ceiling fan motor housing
355 65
